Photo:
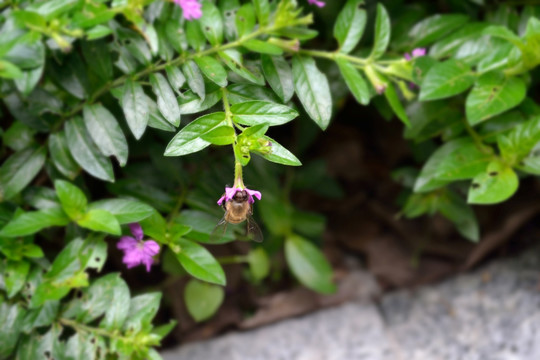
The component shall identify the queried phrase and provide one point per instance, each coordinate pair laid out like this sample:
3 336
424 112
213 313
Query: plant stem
82 327
477 139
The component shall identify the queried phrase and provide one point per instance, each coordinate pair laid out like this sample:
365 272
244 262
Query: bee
237 210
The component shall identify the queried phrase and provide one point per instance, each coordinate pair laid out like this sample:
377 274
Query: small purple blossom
191 9
317 3
415 53
136 251
230 192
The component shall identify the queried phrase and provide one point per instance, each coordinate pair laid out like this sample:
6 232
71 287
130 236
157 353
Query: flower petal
418 52
136 230
150 248
126 243
230 192
407 56
148 262
221 200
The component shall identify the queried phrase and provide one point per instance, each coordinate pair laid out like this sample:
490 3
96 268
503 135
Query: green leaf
221 135
15 274
85 152
9 71
61 156
18 136
313 90
192 104
194 35
98 58
200 263
262 47
212 69
29 79
396 105
455 209
233 59
19 169
446 79
100 220
245 92
72 199
211 23
309 265
135 108
497 184
106 132
42 316
458 159
354 81
245 20
262 112
259 263
202 299
435 27
166 101
493 94
262 9
11 317
34 221
279 75
194 78
142 310
188 140
176 77
126 211
382 32
280 155
202 224
350 25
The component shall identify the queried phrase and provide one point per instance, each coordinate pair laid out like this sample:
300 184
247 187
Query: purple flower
317 2
415 53
191 9
230 192
136 251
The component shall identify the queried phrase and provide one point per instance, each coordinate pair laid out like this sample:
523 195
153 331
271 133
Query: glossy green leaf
498 183
176 77
354 81
392 97
239 93
458 159
446 79
192 104
72 199
142 309
493 94
262 112
279 75
233 59
435 27
262 47
100 220
262 9
98 58
85 152
245 20
280 155
188 140
221 135
211 23
42 316
259 263
309 265
106 133
9 71
61 156
11 316
29 79
455 209
382 32
135 108
15 274
117 311
212 69
194 78
126 211
34 221
202 299
166 101
200 263
350 25
19 169
313 90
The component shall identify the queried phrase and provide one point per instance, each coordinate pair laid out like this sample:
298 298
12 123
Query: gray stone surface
490 314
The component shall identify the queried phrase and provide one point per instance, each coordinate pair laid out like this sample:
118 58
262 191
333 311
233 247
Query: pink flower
136 251
415 53
191 9
230 192
317 2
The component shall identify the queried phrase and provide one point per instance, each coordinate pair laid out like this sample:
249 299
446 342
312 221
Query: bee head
240 196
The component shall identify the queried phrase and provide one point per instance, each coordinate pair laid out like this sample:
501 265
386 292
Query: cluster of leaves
71 69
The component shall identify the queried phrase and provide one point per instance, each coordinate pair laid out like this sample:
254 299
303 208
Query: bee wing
219 230
253 230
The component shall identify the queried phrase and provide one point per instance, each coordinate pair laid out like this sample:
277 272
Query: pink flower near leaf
415 53
230 192
317 3
191 9
136 251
